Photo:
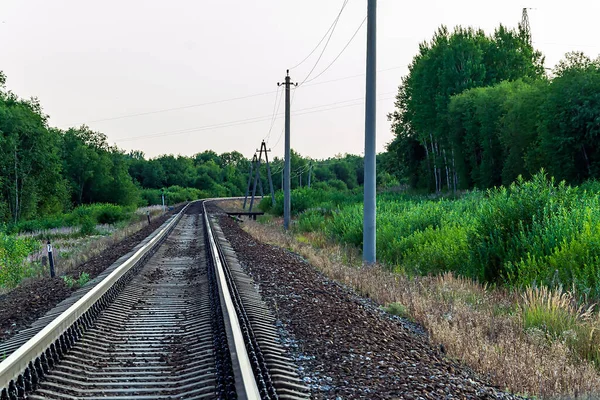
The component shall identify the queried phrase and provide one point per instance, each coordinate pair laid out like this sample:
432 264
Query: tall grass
535 232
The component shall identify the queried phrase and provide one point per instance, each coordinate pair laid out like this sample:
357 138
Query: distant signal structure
525 24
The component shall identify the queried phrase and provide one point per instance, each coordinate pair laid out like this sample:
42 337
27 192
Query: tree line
477 111
47 171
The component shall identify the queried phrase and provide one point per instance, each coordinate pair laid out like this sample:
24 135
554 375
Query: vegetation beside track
532 341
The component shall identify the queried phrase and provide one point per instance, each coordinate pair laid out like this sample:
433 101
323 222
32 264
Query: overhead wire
283 128
164 110
303 111
326 43
275 112
173 108
341 52
323 38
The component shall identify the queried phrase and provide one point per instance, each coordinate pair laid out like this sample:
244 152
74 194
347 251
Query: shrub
13 254
397 309
111 214
88 226
84 278
310 221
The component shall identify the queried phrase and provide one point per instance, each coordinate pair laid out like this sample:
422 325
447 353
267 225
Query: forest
478 111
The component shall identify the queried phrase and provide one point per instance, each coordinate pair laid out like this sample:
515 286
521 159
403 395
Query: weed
397 309
84 278
69 281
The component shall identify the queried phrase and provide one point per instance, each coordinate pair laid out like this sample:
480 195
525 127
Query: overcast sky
94 61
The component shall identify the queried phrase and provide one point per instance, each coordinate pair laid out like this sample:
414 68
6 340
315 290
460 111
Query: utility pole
249 180
263 147
370 205
287 203
309 173
256 179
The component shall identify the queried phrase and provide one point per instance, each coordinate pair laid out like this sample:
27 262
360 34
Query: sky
185 76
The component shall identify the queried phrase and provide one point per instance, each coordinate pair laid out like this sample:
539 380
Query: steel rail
15 365
245 381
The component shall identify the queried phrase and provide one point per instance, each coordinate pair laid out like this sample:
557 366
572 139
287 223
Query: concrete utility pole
370 205
309 174
287 202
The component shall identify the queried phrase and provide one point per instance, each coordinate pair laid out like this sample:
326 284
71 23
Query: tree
448 65
570 120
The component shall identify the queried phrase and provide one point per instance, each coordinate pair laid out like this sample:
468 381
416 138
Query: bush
175 195
310 221
13 256
111 214
87 226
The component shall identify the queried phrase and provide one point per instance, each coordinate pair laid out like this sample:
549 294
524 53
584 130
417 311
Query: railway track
179 319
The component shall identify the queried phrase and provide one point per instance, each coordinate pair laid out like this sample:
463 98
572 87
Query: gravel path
348 348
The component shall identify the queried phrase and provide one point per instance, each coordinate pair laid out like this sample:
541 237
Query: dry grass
490 330
71 249
231 205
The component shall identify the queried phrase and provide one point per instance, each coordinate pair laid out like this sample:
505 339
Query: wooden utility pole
256 179
249 179
263 147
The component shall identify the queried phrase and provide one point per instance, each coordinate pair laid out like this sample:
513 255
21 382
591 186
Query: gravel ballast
346 347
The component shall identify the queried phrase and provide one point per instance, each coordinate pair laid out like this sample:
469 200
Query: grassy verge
536 342
24 255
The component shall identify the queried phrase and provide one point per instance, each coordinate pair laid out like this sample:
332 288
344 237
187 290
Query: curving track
185 324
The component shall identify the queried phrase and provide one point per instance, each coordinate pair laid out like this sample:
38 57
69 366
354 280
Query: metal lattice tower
525 25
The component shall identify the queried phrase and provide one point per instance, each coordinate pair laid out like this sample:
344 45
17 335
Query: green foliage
84 278
69 281
13 253
310 221
305 199
555 313
532 232
397 309
85 216
429 140
173 195
465 118
87 226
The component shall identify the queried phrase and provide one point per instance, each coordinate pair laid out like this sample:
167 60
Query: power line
326 43
304 111
282 129
175 108
164 110
341 52
361 99
323 38
275 112
351 76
